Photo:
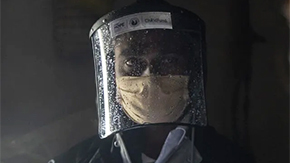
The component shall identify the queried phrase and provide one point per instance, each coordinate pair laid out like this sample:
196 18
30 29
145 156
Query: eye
131 62
169 60
174 65
134 66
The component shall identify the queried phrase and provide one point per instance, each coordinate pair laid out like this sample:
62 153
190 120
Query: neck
155 137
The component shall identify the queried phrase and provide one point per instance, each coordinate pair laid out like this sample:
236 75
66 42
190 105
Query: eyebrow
127 52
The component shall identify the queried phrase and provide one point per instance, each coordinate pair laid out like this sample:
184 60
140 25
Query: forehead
144 41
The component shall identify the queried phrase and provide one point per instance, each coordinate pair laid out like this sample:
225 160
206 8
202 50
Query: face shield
149 68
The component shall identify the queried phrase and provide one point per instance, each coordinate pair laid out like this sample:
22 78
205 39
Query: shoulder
80 153
213 146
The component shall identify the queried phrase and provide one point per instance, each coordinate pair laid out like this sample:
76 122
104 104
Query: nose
151 69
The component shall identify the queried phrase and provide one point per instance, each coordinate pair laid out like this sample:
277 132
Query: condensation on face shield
148 77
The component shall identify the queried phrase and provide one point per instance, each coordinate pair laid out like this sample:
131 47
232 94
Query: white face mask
153 99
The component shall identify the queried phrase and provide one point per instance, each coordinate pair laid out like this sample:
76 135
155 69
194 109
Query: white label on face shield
139 21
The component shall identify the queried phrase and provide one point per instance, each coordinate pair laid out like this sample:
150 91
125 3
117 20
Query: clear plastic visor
149 76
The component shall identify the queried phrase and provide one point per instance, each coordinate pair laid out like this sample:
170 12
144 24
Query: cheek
179 68
118 68
183 65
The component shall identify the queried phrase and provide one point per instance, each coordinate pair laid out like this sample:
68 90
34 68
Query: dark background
48 88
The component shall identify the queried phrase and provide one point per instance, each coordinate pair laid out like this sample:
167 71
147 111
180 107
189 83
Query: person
151 74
